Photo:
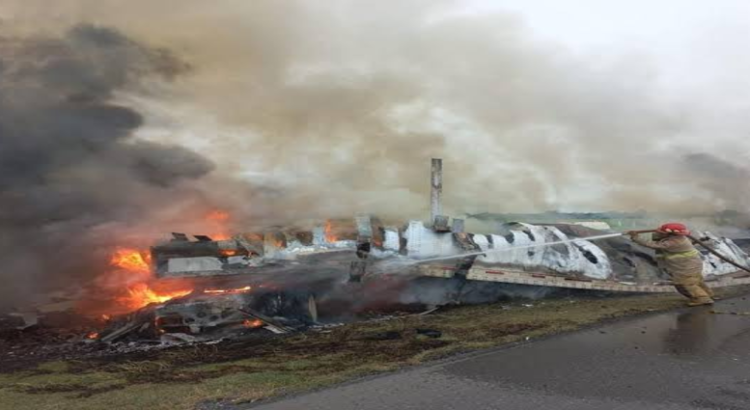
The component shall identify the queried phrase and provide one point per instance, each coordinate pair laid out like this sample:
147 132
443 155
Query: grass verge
241 372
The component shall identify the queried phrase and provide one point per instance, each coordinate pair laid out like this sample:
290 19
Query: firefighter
682 262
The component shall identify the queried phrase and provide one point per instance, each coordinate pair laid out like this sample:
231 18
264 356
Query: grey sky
698 51
693 43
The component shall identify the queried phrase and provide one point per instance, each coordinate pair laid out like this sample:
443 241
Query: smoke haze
304 109
68 164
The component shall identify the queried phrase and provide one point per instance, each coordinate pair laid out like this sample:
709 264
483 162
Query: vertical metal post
436 206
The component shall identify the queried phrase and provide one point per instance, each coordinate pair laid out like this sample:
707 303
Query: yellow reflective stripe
687 254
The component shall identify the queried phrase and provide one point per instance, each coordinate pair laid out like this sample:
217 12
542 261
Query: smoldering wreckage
252 285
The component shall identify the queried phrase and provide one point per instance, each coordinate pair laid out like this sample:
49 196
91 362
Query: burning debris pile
244 253
284 280
205 290
212 315
184 291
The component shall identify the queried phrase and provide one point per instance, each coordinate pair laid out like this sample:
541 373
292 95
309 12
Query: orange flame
218 220
131 260
252 324
330 235
139 292
141 295
92 336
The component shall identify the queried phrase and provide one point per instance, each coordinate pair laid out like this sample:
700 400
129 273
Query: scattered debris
428 311
389 335
431 333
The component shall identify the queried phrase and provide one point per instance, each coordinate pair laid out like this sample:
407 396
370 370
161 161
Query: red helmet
674 228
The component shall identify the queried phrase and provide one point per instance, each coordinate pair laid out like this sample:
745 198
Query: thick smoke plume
336 108
68 163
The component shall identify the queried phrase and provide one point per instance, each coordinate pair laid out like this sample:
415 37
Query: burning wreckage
216 287
280 281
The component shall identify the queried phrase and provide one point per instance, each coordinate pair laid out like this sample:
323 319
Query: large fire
130 284
131 260
141 295
218 220
135 284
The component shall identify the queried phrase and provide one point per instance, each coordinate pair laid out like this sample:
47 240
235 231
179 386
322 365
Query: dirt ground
251 370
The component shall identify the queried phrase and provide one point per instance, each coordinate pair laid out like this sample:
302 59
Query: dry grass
245 372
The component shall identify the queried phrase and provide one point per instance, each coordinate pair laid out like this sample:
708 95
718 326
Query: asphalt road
688 359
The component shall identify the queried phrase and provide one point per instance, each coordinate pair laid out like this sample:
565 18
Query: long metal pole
436 207
718 255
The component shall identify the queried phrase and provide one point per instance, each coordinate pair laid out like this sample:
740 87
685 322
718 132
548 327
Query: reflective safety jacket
678 257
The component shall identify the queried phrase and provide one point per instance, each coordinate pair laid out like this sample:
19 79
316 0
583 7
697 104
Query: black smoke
69 164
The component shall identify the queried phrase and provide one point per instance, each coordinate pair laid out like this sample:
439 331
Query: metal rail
490 274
